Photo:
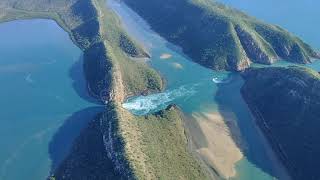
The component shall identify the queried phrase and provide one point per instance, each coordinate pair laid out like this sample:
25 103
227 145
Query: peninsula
220 37
285 103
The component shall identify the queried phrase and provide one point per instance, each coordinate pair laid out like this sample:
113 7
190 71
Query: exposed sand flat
165 56
177 65
218 150
140 59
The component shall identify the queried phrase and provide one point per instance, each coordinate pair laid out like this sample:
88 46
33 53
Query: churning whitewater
142 105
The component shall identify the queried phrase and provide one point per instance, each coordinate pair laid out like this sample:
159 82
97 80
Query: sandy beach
213 141
165 56
177 66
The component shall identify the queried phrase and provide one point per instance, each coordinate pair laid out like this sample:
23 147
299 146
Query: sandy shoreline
213 141
165 56
177 65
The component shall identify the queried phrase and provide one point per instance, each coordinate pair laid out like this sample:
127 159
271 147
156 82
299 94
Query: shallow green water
43 98
197 89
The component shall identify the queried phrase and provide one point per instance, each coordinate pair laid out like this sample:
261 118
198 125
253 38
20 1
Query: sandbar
220 150
165 56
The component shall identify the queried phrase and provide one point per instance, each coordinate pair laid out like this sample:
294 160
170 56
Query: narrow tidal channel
211 101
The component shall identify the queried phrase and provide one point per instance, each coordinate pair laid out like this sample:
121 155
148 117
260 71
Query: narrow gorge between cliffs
217 119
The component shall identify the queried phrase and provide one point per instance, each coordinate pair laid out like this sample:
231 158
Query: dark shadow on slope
178 50
61 142
96 153
230 100
79 82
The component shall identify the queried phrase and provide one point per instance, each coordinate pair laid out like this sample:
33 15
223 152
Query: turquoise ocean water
43 99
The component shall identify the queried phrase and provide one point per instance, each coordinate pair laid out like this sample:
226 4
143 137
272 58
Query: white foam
219 80
142 105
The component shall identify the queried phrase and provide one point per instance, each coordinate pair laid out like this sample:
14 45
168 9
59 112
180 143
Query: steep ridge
80 18
285 103
97 153
98 34
220 37
112 145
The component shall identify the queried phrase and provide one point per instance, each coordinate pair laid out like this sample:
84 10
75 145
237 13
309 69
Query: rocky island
285 103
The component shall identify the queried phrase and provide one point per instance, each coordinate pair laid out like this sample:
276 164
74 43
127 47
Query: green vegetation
221 37
286 103
52 178
112 75
165 147
91 26
97 153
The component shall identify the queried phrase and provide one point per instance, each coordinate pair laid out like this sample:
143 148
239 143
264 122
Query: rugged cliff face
96 31
111 146
219 37
107 50
286 103
97 153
